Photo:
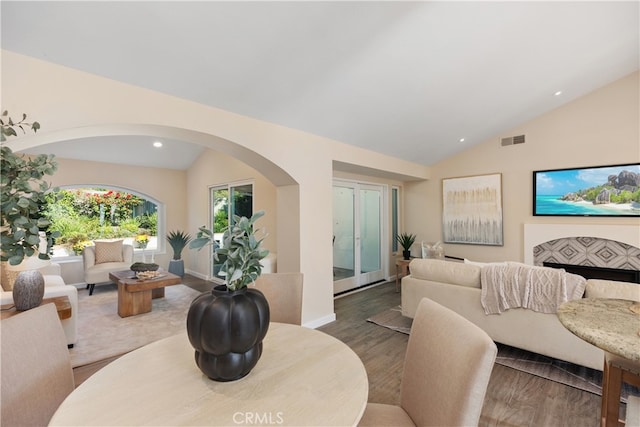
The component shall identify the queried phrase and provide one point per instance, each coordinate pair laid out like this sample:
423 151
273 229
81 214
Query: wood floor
513 398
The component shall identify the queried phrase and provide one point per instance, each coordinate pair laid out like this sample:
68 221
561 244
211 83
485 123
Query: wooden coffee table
135 295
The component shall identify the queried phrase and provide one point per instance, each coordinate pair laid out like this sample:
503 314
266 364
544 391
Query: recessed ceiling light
157 144
461 139
558 93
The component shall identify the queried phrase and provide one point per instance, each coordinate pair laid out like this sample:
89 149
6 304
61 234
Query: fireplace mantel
536 234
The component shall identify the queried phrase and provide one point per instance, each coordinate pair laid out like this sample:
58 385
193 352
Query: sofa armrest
127 254
52 269
6 297
89 256
598 288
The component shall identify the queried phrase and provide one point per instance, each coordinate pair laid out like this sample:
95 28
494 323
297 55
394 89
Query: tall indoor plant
226 327
178 240
22 194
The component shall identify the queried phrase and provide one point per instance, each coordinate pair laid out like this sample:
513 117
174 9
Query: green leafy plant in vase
22 192
25 240
232 309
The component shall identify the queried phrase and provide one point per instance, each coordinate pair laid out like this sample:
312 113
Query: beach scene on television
605 191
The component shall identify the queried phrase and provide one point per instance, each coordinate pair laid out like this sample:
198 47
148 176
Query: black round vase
226 328
406 255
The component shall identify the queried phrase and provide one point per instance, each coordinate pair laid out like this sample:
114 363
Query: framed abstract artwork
472 210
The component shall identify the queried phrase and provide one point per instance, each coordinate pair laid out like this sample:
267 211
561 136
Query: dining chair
447 368
284 295
36 367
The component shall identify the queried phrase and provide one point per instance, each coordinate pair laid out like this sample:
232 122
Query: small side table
402 269
63 306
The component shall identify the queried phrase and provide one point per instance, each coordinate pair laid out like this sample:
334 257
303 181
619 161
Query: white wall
72 104
600 128
214 168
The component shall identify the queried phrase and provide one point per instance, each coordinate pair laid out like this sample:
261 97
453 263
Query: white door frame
362 279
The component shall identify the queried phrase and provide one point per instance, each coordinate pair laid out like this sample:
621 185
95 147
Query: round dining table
304 378
614 326
609 324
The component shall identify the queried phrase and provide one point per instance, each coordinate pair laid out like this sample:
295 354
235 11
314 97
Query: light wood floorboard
514 398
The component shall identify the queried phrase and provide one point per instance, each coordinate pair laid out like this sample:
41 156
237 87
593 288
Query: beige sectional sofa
457 285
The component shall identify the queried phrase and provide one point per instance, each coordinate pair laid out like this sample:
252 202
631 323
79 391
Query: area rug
580 377
103 334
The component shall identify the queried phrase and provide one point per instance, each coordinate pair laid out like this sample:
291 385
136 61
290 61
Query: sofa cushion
108 251
99 273
52 281
8 277
483 264
599 288
456 273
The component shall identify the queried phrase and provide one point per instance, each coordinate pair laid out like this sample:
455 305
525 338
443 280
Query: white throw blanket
542 289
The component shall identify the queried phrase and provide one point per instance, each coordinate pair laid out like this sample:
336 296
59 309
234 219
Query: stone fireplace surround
607 246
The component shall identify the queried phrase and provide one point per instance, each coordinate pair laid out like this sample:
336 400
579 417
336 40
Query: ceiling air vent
512 140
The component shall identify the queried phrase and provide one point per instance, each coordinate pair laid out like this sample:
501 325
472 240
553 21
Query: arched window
83 214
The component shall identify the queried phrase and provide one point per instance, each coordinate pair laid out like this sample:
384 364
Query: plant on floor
178 241
22 191
240 252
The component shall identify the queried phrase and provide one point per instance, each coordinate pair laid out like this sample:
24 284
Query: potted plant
226 327
178 241
22 193
24 228
406 240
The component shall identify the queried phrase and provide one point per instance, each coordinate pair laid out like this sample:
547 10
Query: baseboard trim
196 274
314 324
359 289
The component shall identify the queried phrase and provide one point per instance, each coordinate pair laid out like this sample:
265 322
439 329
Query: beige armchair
446 372
103 258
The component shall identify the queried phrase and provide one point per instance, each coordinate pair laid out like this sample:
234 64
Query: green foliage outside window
221 221
82 215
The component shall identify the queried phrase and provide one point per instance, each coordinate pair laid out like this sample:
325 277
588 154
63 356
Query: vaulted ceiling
409 79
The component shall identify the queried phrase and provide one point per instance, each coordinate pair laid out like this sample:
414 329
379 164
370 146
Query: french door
227 201
357 235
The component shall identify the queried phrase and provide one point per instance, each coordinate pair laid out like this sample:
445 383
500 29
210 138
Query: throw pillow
108 251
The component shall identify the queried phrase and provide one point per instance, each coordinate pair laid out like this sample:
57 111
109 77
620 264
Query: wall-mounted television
612 190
